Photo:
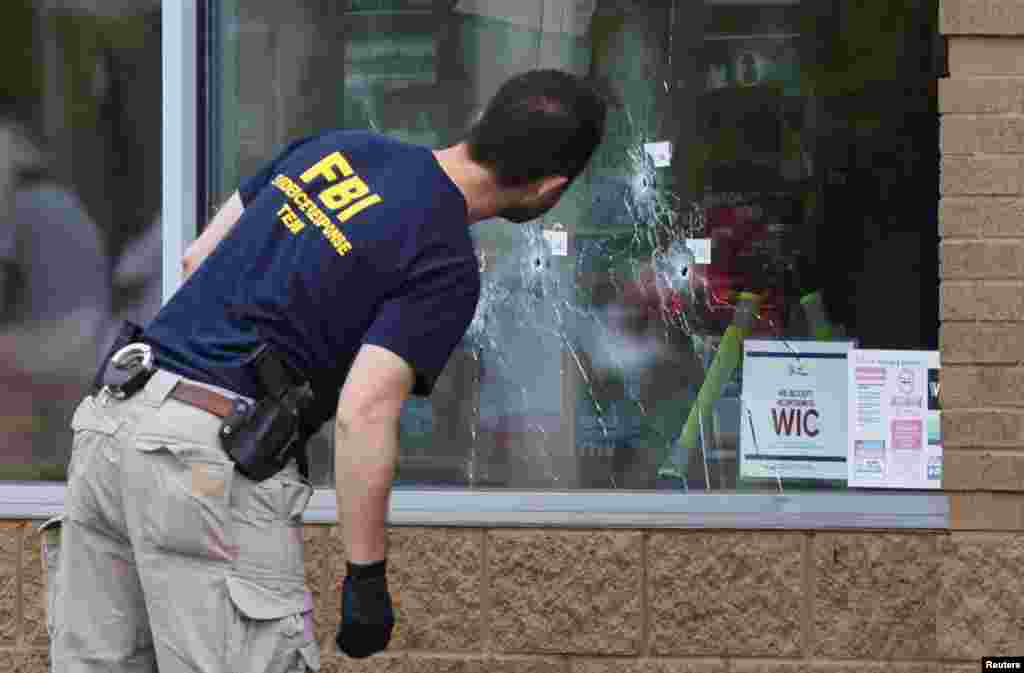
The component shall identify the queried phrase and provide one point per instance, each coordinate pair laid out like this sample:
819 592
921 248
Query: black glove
366 614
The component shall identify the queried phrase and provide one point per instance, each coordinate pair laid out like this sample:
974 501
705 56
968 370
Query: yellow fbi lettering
348 192
290 219
308 208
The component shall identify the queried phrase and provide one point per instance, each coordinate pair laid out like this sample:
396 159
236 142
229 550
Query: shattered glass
585 366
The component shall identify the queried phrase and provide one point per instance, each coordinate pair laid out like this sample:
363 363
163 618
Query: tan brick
332 661
436 576
982 300
985 56
984 429
999 175
986 511
980 470
34 590
972 216
27 661
959 216
981 596
974 387
761 666
316 550
571 592
971 343
961 668
981 17
981 95
872 598
442 663
962 134
1003 259
723 594
10 543
614 665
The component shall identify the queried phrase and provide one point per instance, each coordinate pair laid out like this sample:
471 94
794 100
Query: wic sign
796 422
795 404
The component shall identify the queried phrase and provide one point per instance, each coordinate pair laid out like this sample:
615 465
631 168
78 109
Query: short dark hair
540 123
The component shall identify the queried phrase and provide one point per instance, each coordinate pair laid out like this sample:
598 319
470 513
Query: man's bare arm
214 233
366 448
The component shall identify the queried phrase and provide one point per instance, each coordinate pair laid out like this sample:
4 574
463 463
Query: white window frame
180 135
465 507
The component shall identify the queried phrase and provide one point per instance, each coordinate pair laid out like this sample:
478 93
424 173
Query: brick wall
634 601
982 229
981 221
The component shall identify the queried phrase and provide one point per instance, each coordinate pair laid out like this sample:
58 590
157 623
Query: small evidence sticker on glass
558 240
660 153
701 249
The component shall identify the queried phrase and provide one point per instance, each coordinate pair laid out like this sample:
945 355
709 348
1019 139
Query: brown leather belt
203 398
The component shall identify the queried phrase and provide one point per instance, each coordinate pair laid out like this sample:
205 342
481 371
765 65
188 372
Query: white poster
794 408
895 422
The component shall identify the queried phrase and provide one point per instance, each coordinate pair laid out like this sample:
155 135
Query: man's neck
478 186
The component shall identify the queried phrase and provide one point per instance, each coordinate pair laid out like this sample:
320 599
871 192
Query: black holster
262 437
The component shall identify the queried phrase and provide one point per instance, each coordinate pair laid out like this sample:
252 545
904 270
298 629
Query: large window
768 182
80 120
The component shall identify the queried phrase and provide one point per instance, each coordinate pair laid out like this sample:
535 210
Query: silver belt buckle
137 357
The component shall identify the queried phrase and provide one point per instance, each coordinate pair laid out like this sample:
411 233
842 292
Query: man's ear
549 185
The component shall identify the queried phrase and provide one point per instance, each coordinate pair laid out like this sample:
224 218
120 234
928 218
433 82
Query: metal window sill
593 509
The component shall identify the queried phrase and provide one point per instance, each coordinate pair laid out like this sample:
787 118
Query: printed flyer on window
895 421
794 401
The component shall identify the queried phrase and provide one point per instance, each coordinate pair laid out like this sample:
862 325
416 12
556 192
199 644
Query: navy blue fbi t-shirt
346 238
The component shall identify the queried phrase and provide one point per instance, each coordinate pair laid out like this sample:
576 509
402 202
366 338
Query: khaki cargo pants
168 558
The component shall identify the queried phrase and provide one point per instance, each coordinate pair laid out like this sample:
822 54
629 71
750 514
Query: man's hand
367 617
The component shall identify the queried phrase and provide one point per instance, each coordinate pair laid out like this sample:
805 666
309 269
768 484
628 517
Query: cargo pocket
50 531
268 526
268 631
185 501
278 499
94 434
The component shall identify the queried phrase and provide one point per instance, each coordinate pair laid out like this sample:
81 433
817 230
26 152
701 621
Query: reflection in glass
756 167
79 186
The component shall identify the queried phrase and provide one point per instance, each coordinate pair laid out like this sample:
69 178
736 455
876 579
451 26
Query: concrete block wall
982 252
641 601
981 224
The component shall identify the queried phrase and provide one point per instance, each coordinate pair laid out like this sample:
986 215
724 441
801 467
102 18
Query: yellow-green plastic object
814 308
730 351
